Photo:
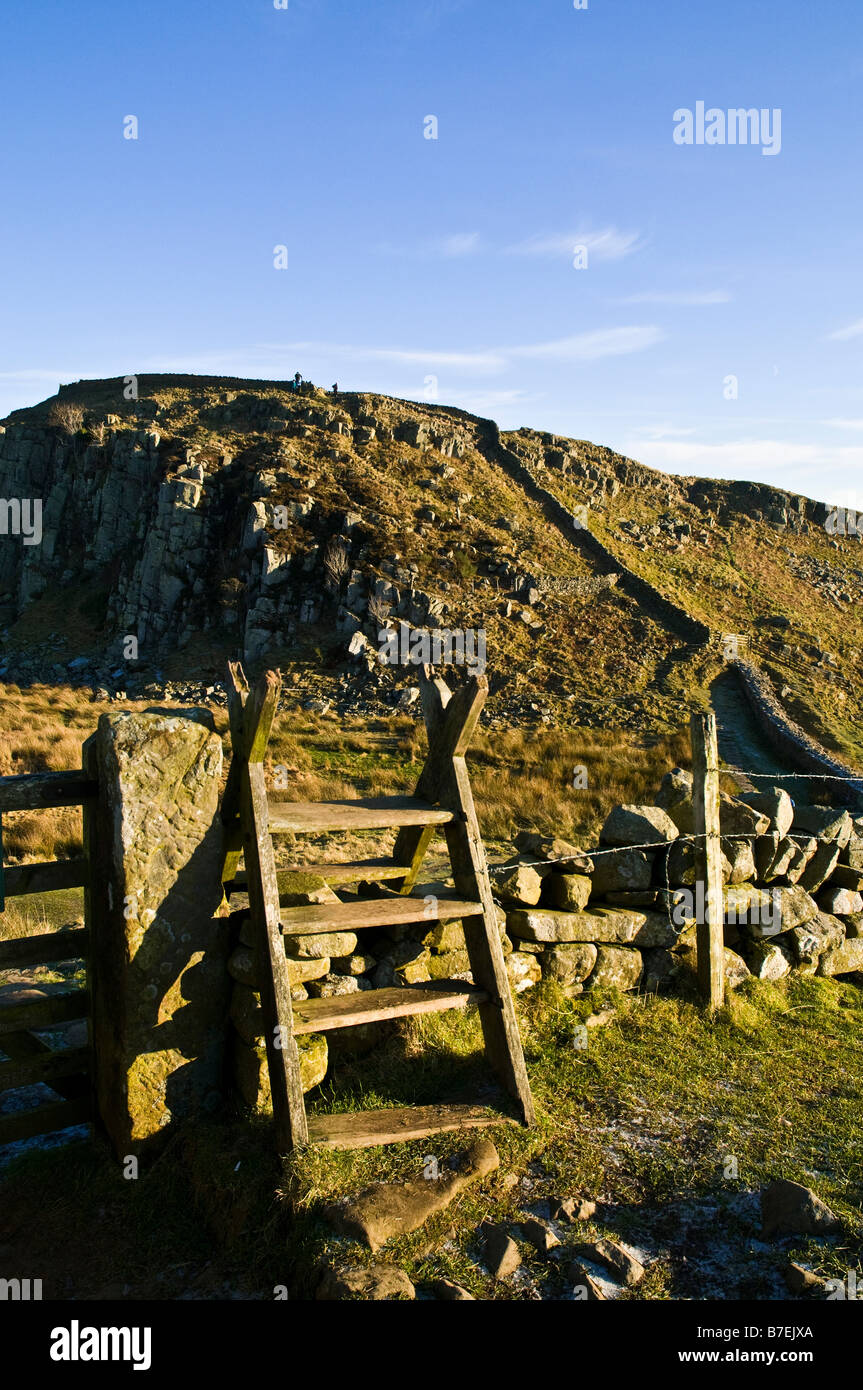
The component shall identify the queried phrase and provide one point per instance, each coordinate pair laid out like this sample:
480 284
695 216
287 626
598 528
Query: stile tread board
372 1005
364 1129
374 912
369 813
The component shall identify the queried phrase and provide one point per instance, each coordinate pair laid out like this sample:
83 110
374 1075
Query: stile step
373 1005
374 912
362 1129
368 813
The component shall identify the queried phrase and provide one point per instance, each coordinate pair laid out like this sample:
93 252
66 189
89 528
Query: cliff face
212 516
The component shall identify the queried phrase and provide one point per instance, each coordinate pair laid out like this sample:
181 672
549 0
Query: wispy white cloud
449 247
685 298
277 359
461 244
603 244
839 423
842 335
798 467
658 432
588 347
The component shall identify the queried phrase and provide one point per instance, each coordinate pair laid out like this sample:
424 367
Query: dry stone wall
789 740
621 914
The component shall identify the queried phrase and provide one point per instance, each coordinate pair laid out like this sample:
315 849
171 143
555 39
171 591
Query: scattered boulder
789 1208
614 1257
393 1209
376 1283
586 1289
500 1252
449 1292
571 1209
800 1280
539 1234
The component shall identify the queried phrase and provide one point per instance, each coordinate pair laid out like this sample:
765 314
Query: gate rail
68 1071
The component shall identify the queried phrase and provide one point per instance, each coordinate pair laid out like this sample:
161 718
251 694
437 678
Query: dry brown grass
522 778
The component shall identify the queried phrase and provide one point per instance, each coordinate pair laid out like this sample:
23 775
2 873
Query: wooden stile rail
23 1010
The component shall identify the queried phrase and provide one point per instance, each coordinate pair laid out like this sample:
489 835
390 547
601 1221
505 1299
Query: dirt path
742 745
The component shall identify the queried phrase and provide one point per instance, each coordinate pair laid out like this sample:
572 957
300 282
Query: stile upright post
708 858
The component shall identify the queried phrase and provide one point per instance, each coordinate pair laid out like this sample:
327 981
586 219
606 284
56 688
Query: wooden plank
42 1067
709 935
372 813
45 1119
33 791
19 1046
371 1005
18 1011
237 689
412 842
49 877
283 1061
482 938
362 871
259 714
21 951
363 1129
374 912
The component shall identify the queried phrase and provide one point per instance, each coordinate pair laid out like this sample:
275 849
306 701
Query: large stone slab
840 960
569 891
617 967
519 881
159 951
840 902
820 866
622 871
819 934
568 964
774 803
638 825
599 924
825 822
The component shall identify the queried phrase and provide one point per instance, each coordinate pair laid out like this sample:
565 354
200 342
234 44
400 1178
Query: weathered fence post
708 858
158 951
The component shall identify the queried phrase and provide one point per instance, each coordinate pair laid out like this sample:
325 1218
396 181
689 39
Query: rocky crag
211 516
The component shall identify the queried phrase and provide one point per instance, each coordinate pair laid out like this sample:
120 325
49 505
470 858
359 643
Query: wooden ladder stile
442 802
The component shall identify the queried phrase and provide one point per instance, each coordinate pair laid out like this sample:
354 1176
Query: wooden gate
25 1010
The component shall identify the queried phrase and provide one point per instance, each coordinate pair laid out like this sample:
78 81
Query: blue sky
443 268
